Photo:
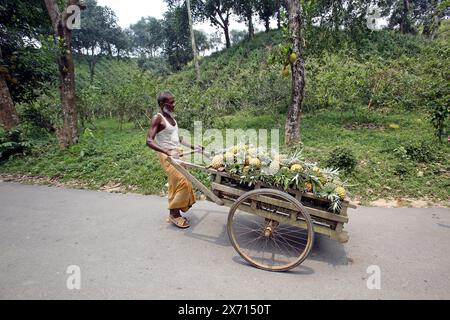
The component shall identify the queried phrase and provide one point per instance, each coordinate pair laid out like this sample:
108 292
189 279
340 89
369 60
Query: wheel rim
272 243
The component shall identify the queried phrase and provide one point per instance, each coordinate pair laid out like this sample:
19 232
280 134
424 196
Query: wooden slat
311 211
289 190
195 182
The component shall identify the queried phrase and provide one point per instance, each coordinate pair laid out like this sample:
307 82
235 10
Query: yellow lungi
181 193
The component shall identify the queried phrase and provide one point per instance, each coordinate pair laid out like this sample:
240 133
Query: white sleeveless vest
168 138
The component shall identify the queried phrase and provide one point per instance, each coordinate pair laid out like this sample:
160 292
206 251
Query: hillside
372 95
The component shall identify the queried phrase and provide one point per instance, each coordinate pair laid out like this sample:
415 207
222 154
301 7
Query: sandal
180 222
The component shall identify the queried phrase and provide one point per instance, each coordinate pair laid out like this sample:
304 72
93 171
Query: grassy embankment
239 89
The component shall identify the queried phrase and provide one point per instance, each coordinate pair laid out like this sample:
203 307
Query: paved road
126 250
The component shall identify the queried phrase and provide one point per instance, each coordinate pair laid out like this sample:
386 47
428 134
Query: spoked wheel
270 229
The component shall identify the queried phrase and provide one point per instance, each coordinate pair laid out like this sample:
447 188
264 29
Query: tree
98 35
202 41
279 6
25 69
62 26
122 41
177 46
431 13
218 12
215 41
400 14
266 9
292 128
193 45
8 113
237 36
148 36
244 9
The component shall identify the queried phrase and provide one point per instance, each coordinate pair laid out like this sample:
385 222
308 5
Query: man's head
166 101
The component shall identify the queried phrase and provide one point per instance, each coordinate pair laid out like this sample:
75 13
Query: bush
418 151
402 169
12 142
343 159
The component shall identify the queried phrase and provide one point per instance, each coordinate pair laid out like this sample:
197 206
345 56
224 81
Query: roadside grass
108 156
383 171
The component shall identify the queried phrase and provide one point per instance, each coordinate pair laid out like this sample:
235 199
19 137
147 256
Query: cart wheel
263 234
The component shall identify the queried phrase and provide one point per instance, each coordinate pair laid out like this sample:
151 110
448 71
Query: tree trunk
8 114
278 14
251 28
292 128
432 21
227 34
194 46
404 25
68 134
335 16
267 24
92 61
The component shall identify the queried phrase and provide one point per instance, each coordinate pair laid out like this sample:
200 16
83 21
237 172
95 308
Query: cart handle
196 151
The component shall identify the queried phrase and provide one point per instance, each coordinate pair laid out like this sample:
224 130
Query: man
163 137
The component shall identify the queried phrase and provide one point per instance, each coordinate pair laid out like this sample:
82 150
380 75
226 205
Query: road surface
117 246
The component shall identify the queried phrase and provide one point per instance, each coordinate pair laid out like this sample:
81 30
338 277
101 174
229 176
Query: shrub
12 142
342 158
402 169
418 151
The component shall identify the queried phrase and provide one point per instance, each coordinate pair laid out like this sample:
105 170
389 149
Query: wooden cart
272 229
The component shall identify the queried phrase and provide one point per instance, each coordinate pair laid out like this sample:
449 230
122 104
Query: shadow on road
324 250
329 251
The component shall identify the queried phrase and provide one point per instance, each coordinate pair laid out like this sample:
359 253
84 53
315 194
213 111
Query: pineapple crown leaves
298 179
330 172
335 202
333 197
296 157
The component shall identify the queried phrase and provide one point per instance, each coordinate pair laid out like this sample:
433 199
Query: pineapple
323 180
296 168
341 192
235 149
217 161
255 162
308 186
265 159
229 158
276 157
252 152
274 167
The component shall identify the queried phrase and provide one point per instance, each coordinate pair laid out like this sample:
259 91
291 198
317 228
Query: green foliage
418 151
342 158
42 113
403 169
12 142
439 119
148 35
26 64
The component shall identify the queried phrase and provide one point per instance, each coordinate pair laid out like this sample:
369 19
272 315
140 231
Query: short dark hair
164 96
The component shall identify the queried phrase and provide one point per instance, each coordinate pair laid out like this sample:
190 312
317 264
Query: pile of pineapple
283 171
